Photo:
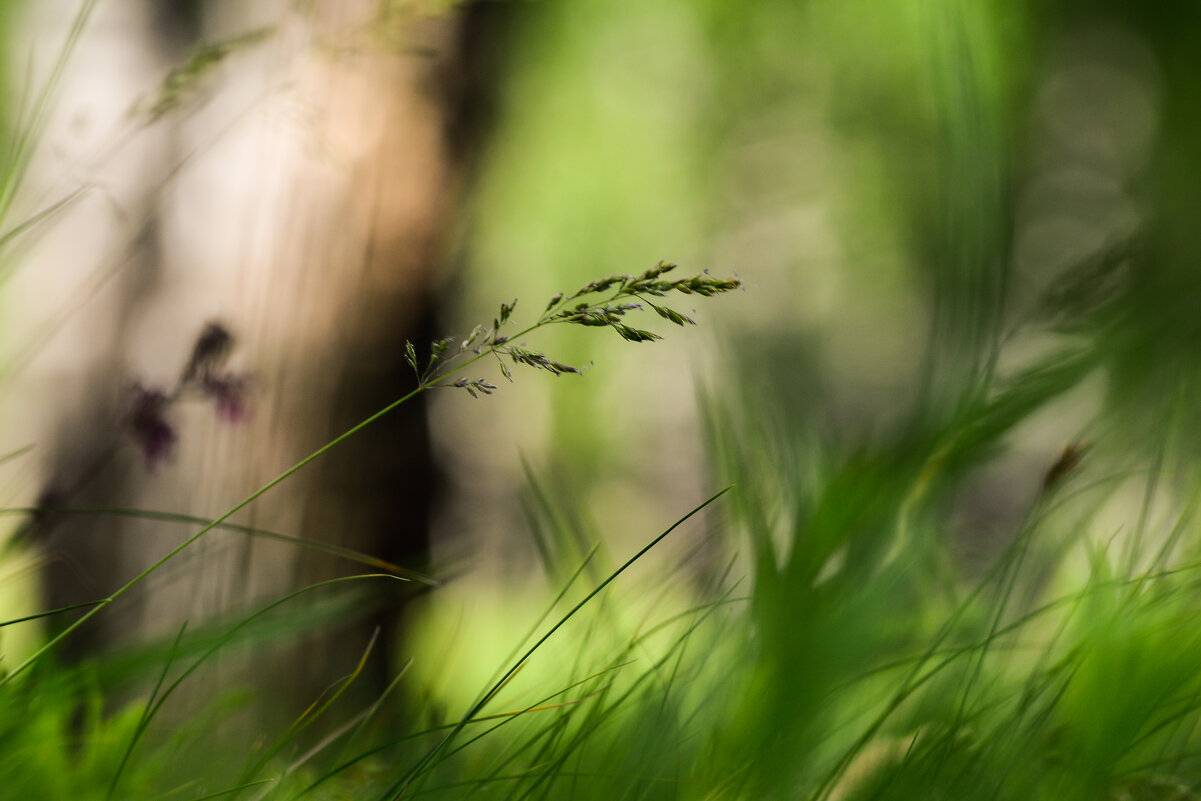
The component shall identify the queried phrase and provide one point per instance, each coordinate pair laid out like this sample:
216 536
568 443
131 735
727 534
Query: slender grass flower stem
104 603
481 344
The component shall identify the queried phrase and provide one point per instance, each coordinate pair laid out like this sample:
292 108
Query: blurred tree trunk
296 187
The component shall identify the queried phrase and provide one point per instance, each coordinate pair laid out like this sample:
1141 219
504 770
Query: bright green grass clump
843 646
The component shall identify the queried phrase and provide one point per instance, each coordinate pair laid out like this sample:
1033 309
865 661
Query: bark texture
299 190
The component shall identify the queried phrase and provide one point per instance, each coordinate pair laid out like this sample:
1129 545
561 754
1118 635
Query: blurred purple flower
210 351
146 419
147 425
229 393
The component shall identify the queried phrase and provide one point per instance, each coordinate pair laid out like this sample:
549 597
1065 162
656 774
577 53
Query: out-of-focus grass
946 581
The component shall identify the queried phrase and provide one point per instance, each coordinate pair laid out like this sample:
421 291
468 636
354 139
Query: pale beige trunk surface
301 195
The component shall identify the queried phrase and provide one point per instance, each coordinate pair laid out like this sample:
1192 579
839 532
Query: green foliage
864 655
481 344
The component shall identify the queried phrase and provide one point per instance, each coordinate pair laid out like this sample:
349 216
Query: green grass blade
399 786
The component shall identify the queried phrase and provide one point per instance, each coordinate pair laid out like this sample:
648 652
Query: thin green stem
104 603
432 380
398 788
175 517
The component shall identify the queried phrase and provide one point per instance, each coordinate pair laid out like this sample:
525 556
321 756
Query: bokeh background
900 185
